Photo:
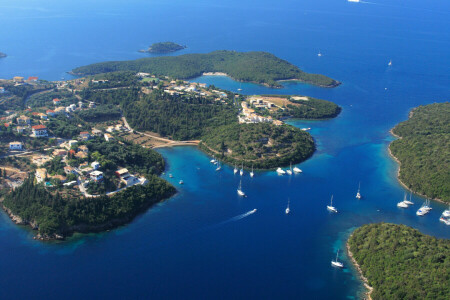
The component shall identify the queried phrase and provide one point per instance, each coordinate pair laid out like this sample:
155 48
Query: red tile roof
32 78
39 127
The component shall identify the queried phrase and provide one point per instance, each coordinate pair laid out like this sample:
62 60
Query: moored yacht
424 209
446 213
181 182
251 173
241 172
331 207
289 171
219 167
235 170
213 161
402 205
336 263
409 202
287 208
280 171
297 170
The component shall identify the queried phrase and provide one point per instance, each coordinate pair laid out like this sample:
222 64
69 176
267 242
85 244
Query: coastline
399 169
360 273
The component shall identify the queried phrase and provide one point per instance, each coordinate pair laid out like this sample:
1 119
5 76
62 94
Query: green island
423 150
164 47
258 145
258 67
2 55
399 262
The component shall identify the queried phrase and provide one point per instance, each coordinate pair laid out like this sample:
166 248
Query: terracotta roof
39 127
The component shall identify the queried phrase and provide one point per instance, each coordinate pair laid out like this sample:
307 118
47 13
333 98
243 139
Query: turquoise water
201 243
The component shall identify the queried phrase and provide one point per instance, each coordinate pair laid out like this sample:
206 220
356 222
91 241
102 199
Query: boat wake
233 219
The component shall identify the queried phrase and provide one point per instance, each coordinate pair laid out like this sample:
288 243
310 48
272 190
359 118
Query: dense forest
165 47
57 214
100 113
62 126
423 150
258 67
313 109
46 99
262 145
179 117
402 263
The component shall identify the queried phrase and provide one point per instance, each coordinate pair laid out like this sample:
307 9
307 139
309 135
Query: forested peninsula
261 145
423 150
258 67
164 47
399 262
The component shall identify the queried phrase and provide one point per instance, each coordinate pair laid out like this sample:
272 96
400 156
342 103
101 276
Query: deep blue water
195 245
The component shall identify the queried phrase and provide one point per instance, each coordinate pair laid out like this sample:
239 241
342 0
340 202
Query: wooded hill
424 150
402 263
259 67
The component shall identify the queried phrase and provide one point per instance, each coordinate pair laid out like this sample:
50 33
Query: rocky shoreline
358 268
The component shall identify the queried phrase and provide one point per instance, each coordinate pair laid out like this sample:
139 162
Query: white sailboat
241 172
358 194
319 54
181 182
331 207
390 63
424 209
402 204
239 190
280 171
251 173
287 208
219 167
297 170
235 169
336 263
289 172
446 212
213 161
409 202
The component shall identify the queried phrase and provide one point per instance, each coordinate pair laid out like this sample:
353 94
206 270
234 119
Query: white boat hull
240 193
337 264
297 170
332 208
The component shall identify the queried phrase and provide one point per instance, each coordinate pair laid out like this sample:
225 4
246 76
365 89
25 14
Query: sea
206 242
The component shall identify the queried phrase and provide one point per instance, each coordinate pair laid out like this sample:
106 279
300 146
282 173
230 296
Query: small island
399 262
422 150
163 47
257 67
2 55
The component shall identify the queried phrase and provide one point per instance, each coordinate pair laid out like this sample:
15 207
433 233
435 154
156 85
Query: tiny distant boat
356 1
402 205
251 173
287 208
235 169
253 211
444 220
241 172
289 172
358 194
219 167
319 54
239 190
306 129
390 63
331 207
409 202
213 161
336 263
170 175
297 170
181 182
239 89
280 171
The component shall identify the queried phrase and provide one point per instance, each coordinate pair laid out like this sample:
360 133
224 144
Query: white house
96 175
95 165
15 146
39 131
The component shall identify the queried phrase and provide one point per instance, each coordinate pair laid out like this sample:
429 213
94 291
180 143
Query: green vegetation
62 126
259 67
58 214
424 150
262 145
46 99
101 113
402 263
313 109
164 47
